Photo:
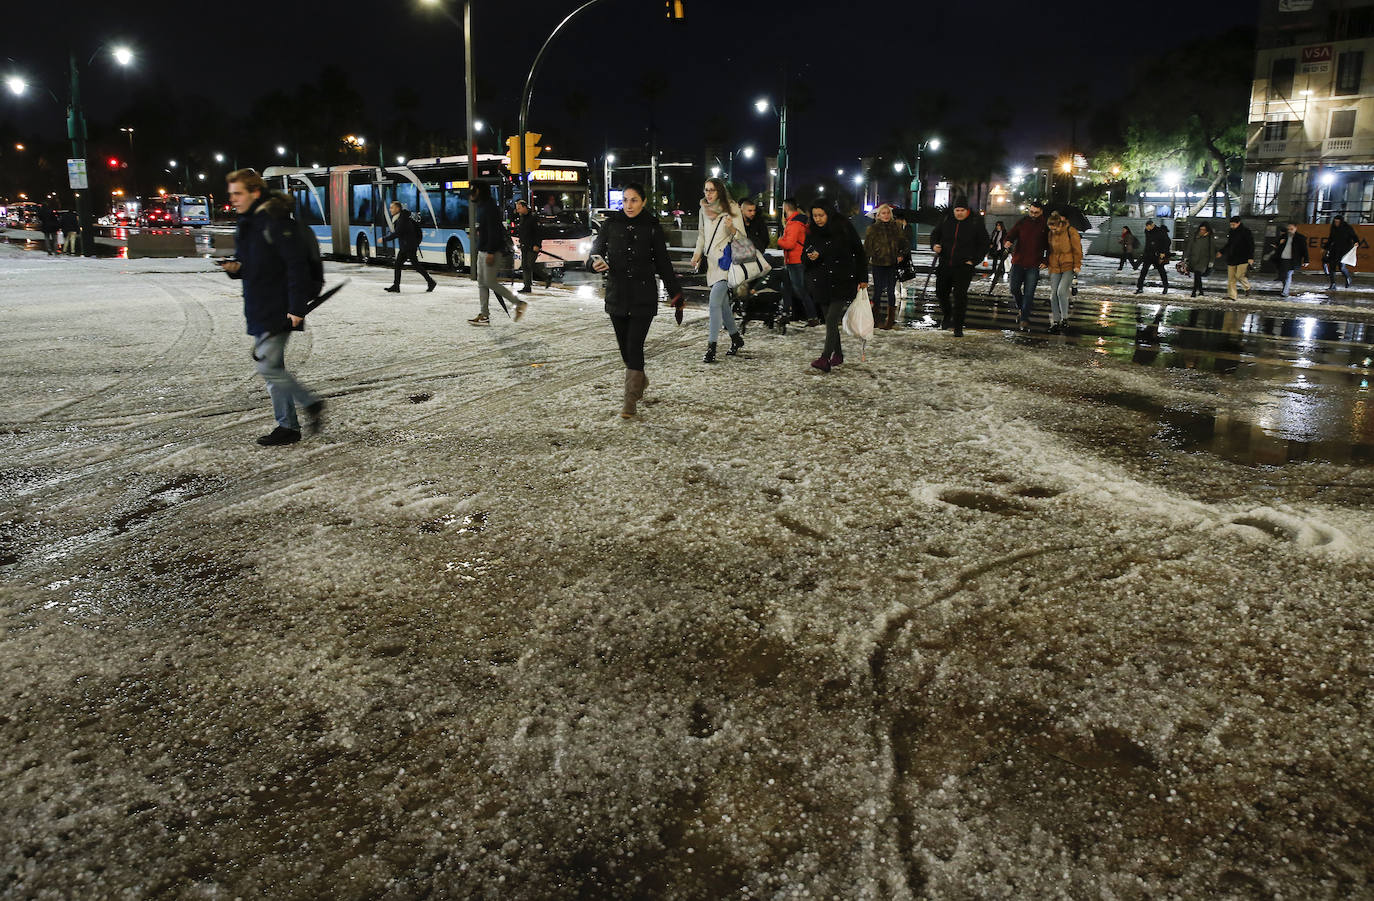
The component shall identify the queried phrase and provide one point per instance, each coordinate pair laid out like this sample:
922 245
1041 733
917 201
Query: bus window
362 204
307 207
408 196
453 213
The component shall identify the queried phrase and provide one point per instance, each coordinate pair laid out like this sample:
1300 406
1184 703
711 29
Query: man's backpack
304 236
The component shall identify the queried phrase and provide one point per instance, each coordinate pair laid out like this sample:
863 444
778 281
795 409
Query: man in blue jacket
491 246
271 263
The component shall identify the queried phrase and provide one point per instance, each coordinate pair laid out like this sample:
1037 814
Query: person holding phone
836 268
632 249
719 223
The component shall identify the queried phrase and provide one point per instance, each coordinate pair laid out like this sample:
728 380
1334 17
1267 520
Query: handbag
1350 258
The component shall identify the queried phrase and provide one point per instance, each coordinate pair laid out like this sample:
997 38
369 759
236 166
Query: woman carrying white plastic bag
858 322
836 269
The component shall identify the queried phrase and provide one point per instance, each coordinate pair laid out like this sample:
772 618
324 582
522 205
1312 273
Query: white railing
1337 145
1273 148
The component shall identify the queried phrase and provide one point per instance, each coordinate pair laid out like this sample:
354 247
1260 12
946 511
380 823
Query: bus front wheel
362 248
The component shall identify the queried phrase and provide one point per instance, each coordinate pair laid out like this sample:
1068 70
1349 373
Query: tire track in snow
197 331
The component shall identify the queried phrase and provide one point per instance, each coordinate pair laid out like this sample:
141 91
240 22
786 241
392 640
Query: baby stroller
752 294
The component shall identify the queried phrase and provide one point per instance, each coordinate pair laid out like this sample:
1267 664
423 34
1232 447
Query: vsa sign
1316 58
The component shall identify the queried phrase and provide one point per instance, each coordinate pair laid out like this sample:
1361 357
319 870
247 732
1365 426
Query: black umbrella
1074 214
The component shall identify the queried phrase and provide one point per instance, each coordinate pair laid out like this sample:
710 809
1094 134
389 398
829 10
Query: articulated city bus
349 207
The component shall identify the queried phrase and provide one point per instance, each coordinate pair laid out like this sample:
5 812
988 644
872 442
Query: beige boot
635 383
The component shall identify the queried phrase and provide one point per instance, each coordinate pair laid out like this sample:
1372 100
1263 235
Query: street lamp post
76 131
606 183
471 106
746 151
763 105
915 188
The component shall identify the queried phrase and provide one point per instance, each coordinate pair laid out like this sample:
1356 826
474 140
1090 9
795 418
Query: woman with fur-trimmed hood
720 222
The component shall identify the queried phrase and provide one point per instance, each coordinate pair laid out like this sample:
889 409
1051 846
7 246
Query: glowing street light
16 84
761 106
123 55
219 157
898 166
281 151
478 125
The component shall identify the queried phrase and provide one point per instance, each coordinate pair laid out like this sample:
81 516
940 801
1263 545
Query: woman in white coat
719 223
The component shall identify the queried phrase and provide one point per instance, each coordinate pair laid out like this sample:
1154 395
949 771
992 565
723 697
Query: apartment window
1342 124
1281 77
1349 68
1276 131
1266 193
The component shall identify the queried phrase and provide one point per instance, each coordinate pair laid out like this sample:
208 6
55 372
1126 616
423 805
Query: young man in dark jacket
1154 253
1029 243
1239 254
406 233
1290 255
960 242
1341 241
527 231
491 246
71 232
47 220
270 261
754 226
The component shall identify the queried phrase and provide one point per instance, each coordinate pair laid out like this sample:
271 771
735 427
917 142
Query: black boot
736 342
710 353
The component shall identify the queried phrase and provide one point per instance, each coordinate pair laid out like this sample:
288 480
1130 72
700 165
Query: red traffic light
113 162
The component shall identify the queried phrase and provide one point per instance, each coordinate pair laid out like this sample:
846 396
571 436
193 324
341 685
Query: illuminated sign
454 185
555 175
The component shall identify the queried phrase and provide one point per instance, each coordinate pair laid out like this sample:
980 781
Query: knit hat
960 203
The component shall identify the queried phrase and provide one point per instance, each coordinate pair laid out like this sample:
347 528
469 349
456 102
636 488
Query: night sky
861 61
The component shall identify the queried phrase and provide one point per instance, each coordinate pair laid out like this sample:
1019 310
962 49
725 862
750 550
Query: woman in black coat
633 251
836 268
1338 243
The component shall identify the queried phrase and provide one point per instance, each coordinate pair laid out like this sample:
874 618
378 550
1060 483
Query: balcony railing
1331 147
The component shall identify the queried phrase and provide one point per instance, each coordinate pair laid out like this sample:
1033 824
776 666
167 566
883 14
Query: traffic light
675 10
113 162
532 150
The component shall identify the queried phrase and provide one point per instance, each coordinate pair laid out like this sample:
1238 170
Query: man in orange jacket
791 242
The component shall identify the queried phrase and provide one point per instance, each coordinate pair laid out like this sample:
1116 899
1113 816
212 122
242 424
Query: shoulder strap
713 233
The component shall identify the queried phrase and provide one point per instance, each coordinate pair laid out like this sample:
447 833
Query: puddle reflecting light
586 291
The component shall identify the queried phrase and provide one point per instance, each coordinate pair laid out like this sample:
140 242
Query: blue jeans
1287 274
1337 266
720 310
1061 283
270 352
884 282
795 286
1023 282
